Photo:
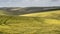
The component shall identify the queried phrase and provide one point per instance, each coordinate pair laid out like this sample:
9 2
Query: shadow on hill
18 12
27 10
40 11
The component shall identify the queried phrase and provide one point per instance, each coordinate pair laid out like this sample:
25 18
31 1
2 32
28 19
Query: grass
2 12
36 23
42 14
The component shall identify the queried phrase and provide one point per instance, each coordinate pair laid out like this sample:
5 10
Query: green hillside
2 12
35 23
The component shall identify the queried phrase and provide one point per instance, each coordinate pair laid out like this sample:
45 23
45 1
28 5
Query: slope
35 23
42 14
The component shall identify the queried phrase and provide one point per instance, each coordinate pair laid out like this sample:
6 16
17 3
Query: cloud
16 3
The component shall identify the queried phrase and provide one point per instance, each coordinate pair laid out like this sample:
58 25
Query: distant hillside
43 14
26 10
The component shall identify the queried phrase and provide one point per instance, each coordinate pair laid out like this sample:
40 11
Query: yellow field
47 14
34 23
43 14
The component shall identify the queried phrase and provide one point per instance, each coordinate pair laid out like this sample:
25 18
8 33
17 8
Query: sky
29 3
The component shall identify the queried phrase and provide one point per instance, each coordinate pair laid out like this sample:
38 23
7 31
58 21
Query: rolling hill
47 22
26 10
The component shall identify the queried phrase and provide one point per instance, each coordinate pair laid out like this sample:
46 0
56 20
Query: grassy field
35 23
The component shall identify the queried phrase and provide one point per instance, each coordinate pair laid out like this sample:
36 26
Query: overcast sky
25 3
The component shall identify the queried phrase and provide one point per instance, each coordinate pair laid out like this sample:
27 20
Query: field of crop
35 23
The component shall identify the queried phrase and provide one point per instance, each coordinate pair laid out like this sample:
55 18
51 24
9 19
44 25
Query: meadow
34 23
